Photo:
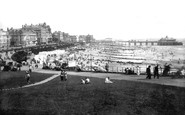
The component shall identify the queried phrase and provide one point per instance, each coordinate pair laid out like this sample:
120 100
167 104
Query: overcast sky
117 19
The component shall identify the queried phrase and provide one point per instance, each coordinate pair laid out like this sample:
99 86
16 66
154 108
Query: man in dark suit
148 72
156 72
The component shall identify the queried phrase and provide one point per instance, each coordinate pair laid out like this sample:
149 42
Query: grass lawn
15 79
71 97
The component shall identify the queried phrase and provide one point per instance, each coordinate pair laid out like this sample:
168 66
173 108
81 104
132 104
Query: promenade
168 81
114 76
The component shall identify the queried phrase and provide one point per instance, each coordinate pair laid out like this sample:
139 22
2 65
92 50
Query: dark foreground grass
17 79
97 98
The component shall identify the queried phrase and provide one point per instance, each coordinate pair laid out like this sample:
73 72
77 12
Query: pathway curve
34 84
41 82
118 76
142 78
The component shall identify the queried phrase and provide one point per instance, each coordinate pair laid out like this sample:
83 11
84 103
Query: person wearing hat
148 72
156 72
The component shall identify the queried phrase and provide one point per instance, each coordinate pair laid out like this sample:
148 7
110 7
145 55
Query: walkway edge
41 82
34 84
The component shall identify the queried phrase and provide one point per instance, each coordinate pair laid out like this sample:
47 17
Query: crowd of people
164 73
90 59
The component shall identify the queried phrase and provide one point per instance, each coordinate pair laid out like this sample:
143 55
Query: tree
20 56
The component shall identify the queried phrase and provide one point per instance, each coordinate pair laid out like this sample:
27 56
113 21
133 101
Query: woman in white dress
107 80
138 70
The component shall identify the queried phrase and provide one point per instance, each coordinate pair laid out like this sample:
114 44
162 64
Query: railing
142 70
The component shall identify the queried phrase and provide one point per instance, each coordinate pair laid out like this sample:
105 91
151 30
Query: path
116 76
41 82
142 78
34 84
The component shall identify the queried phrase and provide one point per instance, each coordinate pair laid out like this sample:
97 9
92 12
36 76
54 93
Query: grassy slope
16 79
121 97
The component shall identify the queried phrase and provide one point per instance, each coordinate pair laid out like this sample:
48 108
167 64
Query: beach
116 57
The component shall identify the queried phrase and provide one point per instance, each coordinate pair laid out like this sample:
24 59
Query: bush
20 56
45 67
6 68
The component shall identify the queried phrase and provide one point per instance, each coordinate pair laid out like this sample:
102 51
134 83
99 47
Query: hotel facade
4 39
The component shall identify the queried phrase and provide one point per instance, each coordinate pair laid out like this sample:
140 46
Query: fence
142 70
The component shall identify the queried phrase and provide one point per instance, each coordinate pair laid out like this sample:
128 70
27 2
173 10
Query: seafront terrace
95 58
37 47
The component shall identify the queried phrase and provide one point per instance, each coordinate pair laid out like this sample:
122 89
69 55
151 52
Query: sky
117 19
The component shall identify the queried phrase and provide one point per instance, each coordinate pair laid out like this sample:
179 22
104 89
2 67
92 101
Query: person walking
107 67
62 75
156 72
27 76
138 70
30 68
165 70
148 72
65 75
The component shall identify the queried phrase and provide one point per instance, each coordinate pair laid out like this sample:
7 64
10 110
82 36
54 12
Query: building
86 38
15 37
89 39
29 37
108 41
168 41
73 39
4 39
81 38
22 37
43 32
66 37
58 36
